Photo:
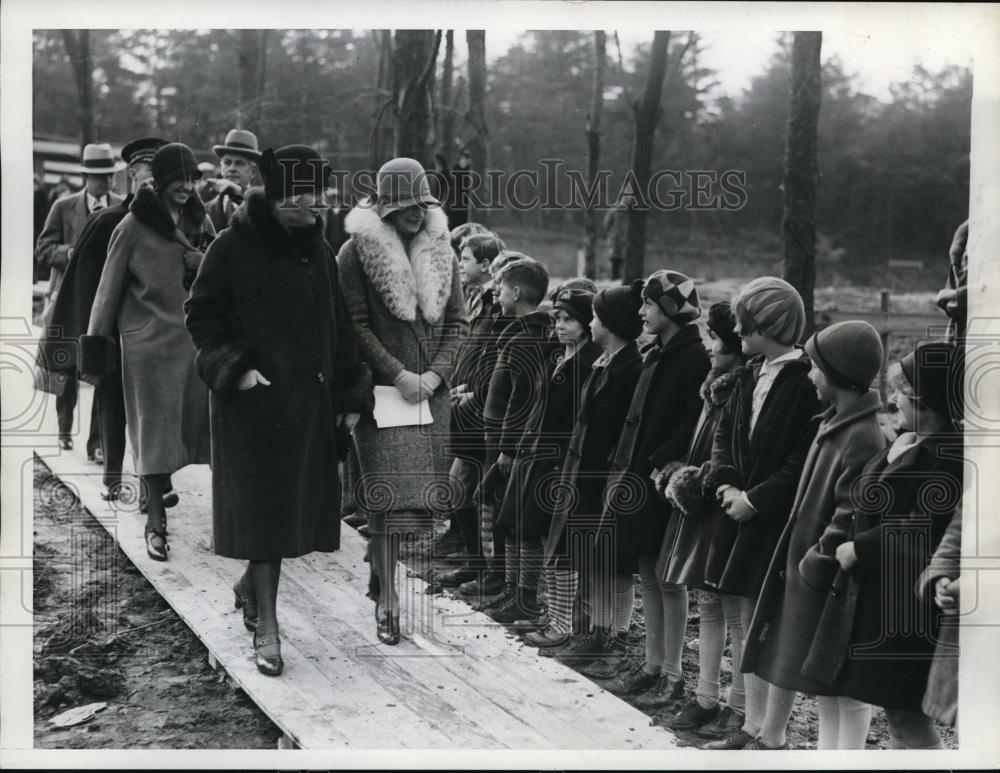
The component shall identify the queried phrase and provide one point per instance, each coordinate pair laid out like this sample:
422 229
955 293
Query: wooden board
456 681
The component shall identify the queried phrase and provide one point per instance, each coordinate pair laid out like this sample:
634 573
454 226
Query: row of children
754 473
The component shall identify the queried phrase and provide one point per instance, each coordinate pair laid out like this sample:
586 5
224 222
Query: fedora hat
401 183
99 159
239 142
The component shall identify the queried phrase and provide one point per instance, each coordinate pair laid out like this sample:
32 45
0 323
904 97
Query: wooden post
885 346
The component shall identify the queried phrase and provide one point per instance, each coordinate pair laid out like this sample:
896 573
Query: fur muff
685 491
717 476
405 279
98 354
663 479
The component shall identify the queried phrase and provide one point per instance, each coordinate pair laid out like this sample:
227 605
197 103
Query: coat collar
683 337
149 209
929 446
536 322
255 219
405 279
583 359
867 405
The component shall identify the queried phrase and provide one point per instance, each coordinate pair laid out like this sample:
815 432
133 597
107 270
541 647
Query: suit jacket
216 210
63 225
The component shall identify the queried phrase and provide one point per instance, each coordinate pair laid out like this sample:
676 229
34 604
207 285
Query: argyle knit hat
618 309
936 370
722 322
675 294
174 161
849 353
773 308
292 170
579 304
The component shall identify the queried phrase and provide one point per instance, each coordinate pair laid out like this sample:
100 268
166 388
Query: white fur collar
423 277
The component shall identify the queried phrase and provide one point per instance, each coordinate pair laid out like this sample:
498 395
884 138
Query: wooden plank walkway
457 680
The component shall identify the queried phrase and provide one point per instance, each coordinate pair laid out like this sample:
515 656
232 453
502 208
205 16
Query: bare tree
414 60
81 58
798 225
251 52
380 138
475 118
447 101
590 238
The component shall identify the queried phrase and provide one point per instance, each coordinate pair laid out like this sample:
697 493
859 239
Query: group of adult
235 336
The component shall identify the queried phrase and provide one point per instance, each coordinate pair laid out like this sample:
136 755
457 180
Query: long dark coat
142 291
269 299
658 430
804 564
875 641
528 503
688 536
604 405
766 465
409 314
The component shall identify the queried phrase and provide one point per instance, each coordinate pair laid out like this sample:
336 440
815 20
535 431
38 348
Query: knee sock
602 602
562 590
779 710
652 612
855 719
734 621
829 722
711 642
513 561
755 687
622 603
674 599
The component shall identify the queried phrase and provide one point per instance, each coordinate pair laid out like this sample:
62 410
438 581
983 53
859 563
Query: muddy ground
102 633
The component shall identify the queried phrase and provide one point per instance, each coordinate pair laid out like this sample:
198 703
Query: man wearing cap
238 159
72 309
54 250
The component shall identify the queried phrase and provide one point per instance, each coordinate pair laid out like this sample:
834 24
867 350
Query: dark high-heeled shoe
158 552
269 665
170 499
242 602
386 627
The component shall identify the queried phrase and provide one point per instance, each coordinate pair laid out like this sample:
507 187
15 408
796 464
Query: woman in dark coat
152 258
402 286
277 348
877 638
527 505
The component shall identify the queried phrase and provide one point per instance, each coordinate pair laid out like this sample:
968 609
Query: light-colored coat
62 227
409 314
142 287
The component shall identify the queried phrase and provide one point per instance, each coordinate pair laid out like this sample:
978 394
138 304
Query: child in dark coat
757 456
661 420
846 358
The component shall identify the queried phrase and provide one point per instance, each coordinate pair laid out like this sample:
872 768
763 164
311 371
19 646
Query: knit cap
675 294
849 353
774 307
174 161
292 170
618 309
579 304
722 322
936 371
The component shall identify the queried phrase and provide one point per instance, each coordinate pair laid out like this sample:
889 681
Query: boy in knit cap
661 420
571 545
846 358
757 456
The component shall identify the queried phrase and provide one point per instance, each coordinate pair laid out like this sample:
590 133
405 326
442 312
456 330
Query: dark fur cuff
663 479
98 355
685 492
718 475
220 367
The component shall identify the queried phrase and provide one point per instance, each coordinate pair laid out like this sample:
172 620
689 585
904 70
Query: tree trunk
82 61
413 60
478 143
798 225
447 102
381 134
591 236
647 114
251 57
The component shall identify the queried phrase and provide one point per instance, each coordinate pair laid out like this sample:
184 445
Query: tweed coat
269 298
142 290
658 430
687 537
607 395
804 564
941 697
528 503
63 225
875 640
409 314
766 464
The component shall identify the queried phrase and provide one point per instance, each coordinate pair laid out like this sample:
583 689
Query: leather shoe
725 722
634 682
269 664
490 585
667 692
363 531
386 627
354 520
546 638
758 745
692 716
737 739
156 543
66 444
249 614
170 499
456 577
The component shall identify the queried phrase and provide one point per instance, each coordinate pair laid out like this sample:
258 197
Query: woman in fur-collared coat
402 285
152 258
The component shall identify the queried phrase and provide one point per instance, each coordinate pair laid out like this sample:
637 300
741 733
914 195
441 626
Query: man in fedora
238 158
54 250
